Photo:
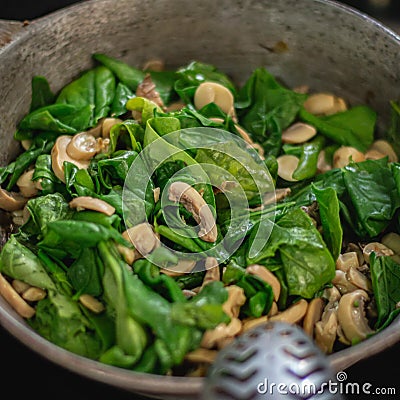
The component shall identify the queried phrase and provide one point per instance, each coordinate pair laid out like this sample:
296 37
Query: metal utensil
274 361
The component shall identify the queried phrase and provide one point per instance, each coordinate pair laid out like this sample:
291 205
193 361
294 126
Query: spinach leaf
329 211
122 95
129 134
41 93
373 194
385 276
193 74
262 99
18 262
354 127
95 90
60 320
393 133
44 174
307 262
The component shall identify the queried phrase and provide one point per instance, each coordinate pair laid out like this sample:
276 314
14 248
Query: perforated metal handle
273 361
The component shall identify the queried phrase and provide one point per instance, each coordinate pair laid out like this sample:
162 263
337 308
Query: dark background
28 375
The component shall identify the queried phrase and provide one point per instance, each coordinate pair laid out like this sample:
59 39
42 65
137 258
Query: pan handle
9 30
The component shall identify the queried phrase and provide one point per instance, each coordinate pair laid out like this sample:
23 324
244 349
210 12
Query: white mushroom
342 283
319 103
326 330
91 303
83 146
191 199
344 154
358 279
236 299
267 276
351 316
378 248
201 355
373 154
322 164
34 294
183 267
347 260
91 203
213 92
217 337
155 64
11 201
287 164
392 241
294 314
313 315
142 237
14 299
59 155
147 89
385 148
26 185
108 123
298 133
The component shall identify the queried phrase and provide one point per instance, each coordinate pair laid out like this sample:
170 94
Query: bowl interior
328 47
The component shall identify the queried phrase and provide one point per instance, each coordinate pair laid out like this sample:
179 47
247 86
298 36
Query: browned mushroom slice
147 89
26 185
11 201
191 199
351 315
267 276
91 203
142 237
313 315
59 155
343 155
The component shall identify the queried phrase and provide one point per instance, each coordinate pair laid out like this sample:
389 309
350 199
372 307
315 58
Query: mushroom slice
91 203
322 164
14 299
201 355
384 147
294 314
342 283
358 279
236 299
213 92
142 237
344 154
351 316
147 89
347 260
374 154
313 315
216 337
326 331
26 185
83 146
11 201
378 248
267 276
287 164
320 103
59 155
191 199
298 133
108 123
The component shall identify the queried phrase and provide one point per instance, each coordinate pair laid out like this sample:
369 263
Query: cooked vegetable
162 213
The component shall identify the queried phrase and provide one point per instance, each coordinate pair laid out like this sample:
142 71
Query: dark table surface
27 374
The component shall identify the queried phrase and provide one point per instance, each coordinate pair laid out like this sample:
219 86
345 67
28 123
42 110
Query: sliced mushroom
59 155
342 283
320 103
34 294
358 279
373 154
11 201
176 106
181 268
384 147
147 89
357 249
347 260
344 154
26 185
246 137
332 294
83 146
154 64
267 276
191 199
216 337
338 106
378 248
91 303
96 130
313 315
213 92
326 331
108 123
212 271
142 237
129 255
351 316
201 355
294 314
91 203
298 133
287 164
236 299
156 194
14 299
26 144
20 286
